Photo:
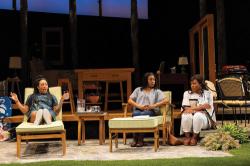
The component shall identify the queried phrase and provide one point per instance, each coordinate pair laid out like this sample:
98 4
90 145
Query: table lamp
183 61
15 63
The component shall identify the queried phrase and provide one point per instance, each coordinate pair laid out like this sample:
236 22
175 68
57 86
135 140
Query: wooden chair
166 124
165 120
29 131
233 94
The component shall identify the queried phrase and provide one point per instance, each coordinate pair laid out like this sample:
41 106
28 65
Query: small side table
82 117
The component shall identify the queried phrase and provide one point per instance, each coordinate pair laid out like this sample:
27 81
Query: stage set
98 52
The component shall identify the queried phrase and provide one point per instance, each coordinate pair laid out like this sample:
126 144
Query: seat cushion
233 102
133 122
27 127
160 119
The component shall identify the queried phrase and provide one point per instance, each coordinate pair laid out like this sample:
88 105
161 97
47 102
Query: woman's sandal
133 144
139 144
193 142
186 141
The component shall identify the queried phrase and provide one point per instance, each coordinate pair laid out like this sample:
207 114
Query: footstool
133 125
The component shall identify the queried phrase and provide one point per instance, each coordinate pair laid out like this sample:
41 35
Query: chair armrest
125 108
221 102
167 114
225 104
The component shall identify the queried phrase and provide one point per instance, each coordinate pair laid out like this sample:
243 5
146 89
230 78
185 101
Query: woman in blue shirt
41 105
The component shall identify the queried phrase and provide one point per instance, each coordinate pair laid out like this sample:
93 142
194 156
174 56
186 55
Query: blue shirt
42 101
145 98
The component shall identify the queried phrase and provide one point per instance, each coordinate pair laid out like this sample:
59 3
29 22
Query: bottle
83 104
80 105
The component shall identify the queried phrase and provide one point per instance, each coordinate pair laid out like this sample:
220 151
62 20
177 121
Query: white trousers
194 123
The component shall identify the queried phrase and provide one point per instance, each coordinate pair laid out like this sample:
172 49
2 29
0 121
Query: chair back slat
231 88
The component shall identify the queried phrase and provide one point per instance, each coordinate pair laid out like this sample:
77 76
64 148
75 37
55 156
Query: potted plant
93 98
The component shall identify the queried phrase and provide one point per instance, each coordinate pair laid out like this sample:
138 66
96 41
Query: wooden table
82 117
115 74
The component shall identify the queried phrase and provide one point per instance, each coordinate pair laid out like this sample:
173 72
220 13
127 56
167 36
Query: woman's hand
188 111
24 108
14 97
142 107
205 106
151 107
65 96
147 107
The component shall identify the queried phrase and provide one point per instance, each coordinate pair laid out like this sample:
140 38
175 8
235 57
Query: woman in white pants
194 118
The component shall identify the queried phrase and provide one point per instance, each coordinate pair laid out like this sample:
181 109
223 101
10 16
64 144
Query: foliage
236 132
220 140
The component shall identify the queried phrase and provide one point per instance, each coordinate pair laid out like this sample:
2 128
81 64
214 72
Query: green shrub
236 132
219 141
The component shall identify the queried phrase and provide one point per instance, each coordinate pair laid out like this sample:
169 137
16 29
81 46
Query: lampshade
15 62
183 60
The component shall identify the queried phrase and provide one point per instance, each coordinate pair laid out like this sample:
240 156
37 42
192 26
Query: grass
241 158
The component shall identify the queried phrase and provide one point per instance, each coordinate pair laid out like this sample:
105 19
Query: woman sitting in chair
41 105
146 100
197 105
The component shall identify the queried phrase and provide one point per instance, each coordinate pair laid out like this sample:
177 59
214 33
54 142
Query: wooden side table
91 116
106 75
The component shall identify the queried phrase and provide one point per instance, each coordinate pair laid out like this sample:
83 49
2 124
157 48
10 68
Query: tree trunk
100 7
221 34
73 32
13 4
203 8
24 40
134 39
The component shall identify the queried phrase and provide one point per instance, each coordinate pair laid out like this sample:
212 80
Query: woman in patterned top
146 100
41 105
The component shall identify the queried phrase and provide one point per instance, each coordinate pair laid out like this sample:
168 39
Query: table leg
100 131
103 131
110 141
79 132
83 131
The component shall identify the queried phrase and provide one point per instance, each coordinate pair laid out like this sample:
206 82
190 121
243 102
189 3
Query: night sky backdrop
112 8
106 42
